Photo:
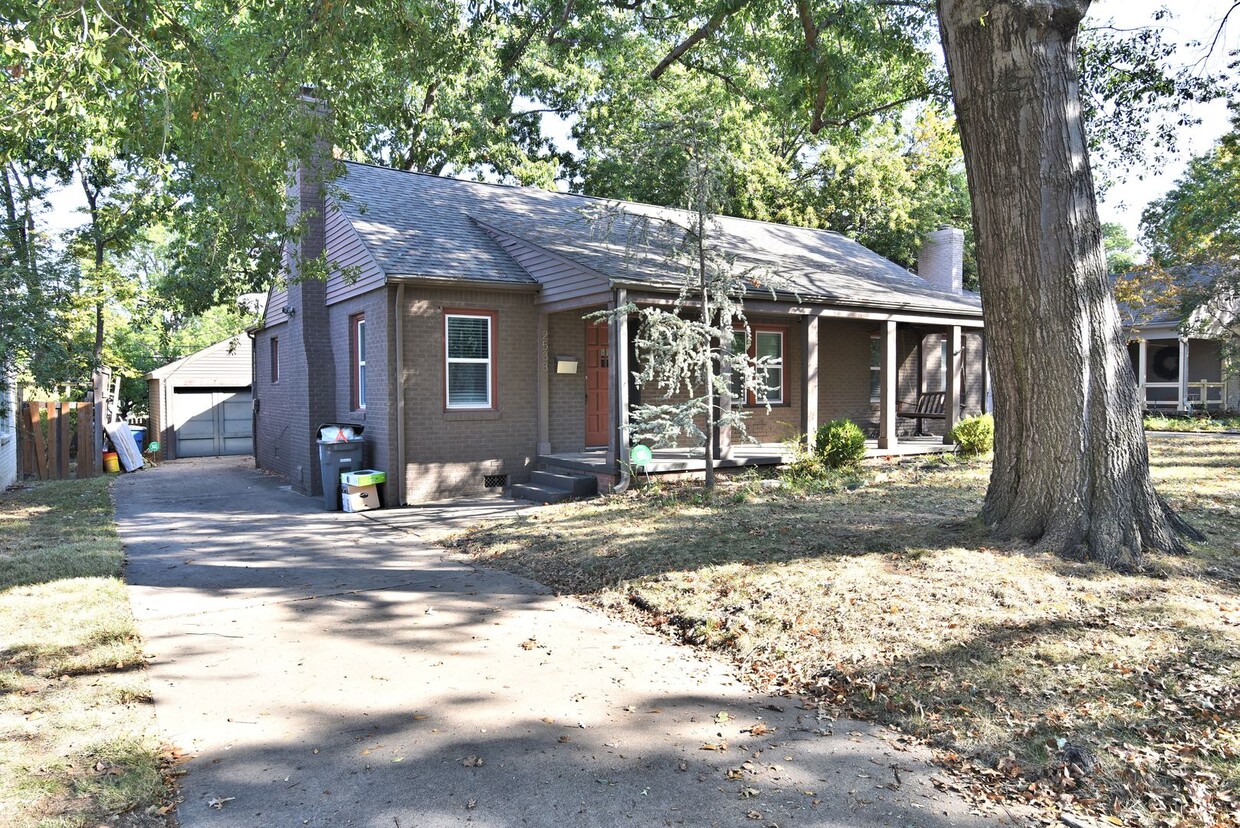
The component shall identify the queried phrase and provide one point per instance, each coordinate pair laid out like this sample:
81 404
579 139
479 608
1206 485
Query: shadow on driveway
336 669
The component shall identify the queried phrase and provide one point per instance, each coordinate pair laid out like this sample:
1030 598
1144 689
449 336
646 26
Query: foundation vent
494 481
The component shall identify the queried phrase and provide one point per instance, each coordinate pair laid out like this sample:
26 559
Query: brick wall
783 421
377 414
448 452
290 410
566 337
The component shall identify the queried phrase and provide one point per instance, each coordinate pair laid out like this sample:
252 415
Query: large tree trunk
1071 470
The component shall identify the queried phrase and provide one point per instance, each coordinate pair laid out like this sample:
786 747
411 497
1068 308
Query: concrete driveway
336 669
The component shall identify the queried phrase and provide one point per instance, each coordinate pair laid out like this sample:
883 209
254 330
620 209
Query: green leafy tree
696 352
1121 251
1193 234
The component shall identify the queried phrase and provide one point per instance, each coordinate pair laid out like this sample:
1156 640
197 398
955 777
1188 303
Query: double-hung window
357 354
764 342
470 362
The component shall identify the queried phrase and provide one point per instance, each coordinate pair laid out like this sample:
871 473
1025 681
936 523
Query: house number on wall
545 352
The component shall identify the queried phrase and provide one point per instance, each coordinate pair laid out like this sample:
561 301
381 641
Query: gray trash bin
337 457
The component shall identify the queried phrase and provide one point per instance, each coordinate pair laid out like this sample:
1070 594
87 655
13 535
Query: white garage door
212 422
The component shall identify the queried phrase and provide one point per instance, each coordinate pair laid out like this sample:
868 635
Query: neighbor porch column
809 380
1143 357
723 408
887 387
542 384
1183 373
985 376
952 384
618 384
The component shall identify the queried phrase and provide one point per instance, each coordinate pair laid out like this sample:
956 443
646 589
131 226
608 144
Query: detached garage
201 404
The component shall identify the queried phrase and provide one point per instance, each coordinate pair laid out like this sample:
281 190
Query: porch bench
930 406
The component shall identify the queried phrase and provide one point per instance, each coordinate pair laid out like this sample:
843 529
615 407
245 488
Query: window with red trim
469 359
763 342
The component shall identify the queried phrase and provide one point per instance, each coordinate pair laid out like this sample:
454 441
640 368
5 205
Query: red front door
596 384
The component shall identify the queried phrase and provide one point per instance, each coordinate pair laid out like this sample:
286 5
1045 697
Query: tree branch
703 32
807 24
865 113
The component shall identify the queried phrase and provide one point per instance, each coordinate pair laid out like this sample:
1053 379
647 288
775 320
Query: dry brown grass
1042 680
77 743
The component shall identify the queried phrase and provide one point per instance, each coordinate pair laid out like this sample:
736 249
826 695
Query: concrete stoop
556 487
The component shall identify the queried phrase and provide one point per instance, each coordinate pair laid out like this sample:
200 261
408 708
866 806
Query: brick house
451 326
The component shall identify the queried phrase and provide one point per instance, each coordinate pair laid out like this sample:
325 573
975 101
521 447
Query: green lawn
1205 423
77 743
1035 679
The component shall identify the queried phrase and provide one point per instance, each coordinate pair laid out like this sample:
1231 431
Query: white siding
355 271
561 280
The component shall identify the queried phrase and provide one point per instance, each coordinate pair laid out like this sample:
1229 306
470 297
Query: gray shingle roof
420 225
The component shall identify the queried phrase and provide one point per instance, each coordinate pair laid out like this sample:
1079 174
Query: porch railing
1198 396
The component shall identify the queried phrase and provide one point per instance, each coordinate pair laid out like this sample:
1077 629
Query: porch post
985 406
1183 373
1143 356
887 386
951 400
809 379
723 407
542 384
618 384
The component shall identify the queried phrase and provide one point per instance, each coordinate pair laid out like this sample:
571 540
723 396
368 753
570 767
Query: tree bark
1071 470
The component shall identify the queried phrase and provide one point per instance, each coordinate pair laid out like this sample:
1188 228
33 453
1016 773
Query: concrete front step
540 494
556 487
580 485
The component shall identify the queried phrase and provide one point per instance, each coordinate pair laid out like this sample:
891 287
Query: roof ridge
588 197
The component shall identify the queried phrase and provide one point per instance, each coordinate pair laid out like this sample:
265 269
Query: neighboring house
452 328
201 404
8 434
1180 361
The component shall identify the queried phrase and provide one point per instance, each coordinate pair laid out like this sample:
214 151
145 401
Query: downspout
621 360
399 338
255 402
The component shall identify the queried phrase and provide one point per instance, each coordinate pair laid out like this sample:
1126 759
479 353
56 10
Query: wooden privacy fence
57 438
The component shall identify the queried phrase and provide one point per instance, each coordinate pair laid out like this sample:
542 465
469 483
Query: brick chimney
941 260
308 341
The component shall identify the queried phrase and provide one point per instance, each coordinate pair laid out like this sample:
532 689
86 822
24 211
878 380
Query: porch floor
674 461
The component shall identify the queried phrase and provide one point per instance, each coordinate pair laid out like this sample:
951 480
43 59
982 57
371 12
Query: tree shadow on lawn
597 547
1150 715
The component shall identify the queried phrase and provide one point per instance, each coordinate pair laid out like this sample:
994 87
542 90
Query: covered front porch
743 456
1176 373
